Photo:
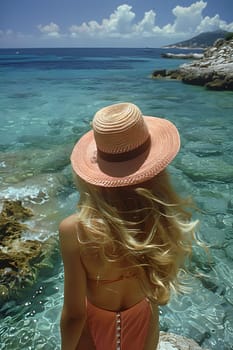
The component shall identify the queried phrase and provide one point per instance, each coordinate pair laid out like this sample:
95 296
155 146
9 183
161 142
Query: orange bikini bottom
119 330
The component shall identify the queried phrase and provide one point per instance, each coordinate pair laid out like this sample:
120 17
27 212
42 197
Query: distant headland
200 41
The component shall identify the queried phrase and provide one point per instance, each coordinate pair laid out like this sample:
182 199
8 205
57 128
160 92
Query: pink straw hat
124 148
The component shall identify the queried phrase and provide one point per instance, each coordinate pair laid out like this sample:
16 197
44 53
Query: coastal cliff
213 71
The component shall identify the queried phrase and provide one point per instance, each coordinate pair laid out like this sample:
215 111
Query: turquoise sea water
47 99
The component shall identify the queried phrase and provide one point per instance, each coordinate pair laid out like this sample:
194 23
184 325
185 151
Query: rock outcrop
20 259
193 55
213 71
170 341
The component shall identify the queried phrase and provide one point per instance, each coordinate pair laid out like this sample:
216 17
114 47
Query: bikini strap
120 278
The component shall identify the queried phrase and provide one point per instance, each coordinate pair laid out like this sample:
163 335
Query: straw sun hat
124 147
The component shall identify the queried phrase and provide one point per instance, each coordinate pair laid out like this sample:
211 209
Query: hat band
125 156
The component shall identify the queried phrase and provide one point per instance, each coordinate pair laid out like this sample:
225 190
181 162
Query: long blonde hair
147 224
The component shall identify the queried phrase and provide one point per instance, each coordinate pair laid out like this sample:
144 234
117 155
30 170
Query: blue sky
109 23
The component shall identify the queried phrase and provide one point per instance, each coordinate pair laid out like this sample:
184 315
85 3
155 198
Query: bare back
113 286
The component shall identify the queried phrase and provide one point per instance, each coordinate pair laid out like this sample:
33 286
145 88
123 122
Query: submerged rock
28 163
211 168
20 259
170 341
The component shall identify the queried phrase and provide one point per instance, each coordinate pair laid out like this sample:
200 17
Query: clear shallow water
47 99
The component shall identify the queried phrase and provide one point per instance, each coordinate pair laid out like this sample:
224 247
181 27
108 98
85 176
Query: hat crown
119 128
125 147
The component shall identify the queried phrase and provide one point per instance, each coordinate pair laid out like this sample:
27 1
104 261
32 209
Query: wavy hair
147 224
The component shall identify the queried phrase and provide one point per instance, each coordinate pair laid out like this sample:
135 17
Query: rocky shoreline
214 71
20 259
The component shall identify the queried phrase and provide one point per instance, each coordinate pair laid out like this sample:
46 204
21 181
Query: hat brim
164 145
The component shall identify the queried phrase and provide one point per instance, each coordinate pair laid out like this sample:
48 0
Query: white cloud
190 21
121 25
147 24
120 21
51 29
6 33
118 24
90 28
10 34
213 23
188 18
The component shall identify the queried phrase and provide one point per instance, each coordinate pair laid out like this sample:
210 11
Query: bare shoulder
68 224
68 233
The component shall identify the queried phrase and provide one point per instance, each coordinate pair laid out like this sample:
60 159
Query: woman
123 250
